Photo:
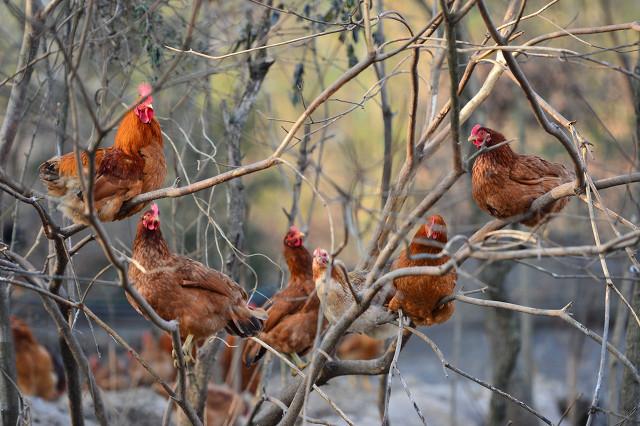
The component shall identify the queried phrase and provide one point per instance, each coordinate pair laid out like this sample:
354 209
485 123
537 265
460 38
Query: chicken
112 375
506 183
418 296
203 300
359 347
293 315
34 365
157 353
133 165
249 374
224 406
336 298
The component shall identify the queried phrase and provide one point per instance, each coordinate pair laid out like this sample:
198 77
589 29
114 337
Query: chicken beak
302 234
150 106
471 138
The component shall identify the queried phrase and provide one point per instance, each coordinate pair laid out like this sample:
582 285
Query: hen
336 297
359 347
157 353
506 183
293 315
418 296
110 375
133 165
203 300
34 365
236 374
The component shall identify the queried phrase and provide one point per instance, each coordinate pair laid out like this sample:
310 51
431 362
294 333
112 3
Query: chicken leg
187 349
298 363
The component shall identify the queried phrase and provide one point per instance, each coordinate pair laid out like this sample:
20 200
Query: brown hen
293 315
34 364
505 183
157 354
238 376
203 300
418 296
133 165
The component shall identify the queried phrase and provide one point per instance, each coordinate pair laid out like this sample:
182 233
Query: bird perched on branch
338 290
203 300
293 315
506 183
34 364
133 165
418 295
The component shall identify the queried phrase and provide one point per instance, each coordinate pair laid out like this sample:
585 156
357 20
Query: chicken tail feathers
49 174
252 353
49 171
246 322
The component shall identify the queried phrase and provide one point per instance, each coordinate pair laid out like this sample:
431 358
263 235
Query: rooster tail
49 171
49 174
245 321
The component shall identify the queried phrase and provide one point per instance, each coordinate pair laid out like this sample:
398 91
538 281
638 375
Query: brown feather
418 296
204 300
293 315
505 183
133 165
34 365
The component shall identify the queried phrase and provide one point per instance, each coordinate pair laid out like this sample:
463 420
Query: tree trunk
630 390
234 123
503 327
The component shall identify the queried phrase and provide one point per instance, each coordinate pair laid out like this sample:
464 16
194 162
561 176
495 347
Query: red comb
475 129
155 210
144 89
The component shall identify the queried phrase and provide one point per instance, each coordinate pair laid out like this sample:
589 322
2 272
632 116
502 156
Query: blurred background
342 161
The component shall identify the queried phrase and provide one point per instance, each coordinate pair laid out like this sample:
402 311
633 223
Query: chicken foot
298 363
187 349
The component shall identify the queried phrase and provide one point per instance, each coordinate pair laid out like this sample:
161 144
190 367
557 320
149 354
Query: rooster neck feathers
133 135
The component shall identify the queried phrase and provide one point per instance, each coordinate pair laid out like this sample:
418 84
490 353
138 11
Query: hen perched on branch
418 296
133 165
202 299
506 183
293 315
336 293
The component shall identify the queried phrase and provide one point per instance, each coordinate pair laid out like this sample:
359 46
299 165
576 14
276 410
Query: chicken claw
187 348
299 363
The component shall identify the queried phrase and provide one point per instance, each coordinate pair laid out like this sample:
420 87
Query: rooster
418 296
336 297
506 183
203 300
34 365
293 315
133 165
